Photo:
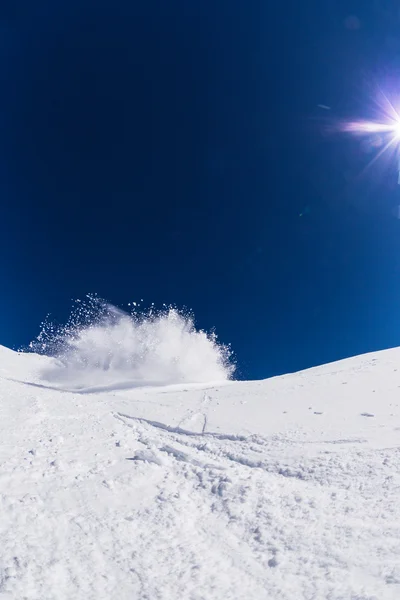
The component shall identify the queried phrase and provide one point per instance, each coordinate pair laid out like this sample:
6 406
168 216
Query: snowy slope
282 489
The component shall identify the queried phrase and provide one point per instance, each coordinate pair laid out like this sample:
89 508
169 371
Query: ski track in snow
139 495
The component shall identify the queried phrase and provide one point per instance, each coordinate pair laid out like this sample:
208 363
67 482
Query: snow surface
282 489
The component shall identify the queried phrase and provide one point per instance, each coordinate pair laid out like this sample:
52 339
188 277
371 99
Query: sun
386 128
396 130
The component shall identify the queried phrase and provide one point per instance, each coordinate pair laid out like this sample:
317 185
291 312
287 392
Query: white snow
117 349
284 489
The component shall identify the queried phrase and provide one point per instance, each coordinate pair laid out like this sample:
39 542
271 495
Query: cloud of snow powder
102 346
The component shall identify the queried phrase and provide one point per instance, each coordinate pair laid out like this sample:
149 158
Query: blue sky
175 152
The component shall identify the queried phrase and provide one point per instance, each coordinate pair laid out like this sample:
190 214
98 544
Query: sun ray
383 131
393 140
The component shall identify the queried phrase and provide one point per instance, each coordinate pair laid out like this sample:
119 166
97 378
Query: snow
280 489
105 346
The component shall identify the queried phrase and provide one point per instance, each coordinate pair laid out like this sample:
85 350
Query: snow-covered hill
282 489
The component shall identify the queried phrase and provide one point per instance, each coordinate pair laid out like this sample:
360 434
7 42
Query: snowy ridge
281 489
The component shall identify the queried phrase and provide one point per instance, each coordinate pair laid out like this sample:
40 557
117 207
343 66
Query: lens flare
385 130
365 127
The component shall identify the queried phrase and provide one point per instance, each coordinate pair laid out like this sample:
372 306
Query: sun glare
365 127
383 132
396 130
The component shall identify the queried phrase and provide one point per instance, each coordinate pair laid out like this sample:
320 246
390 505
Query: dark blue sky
165 150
